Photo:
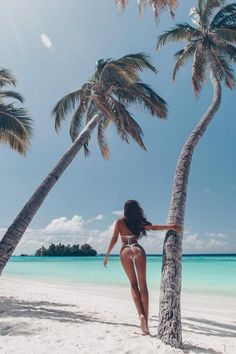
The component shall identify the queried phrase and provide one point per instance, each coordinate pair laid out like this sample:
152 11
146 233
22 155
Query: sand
37 317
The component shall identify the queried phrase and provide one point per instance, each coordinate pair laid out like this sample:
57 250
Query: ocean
205 274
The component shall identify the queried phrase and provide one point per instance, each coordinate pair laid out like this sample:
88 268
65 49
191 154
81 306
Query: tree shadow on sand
11 307
205 327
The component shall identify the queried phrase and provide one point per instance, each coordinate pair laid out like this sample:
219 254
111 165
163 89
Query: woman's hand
176 228
105 261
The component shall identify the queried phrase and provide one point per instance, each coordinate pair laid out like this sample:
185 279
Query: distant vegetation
67 251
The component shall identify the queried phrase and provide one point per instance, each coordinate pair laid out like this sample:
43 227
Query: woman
132 227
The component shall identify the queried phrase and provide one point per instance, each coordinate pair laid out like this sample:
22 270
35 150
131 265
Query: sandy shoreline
45 318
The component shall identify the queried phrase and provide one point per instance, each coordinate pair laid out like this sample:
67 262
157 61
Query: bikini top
128 238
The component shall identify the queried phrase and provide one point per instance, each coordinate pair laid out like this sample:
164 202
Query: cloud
99 217
77 230
209 242
117 212
63 225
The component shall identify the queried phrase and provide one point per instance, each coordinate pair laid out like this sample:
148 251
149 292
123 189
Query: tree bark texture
170 329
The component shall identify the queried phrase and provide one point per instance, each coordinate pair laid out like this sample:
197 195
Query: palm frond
182 55
157 6
12 94
225 17
229 51
198 69
66 104
223 69
125 123
15 127
15 142
222 47
125 71
6 77
102 142
121 4
150 100
140 61
206 9
226 33
77 121
142 95
182 31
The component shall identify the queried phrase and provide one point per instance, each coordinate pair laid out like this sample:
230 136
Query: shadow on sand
11 307
204 327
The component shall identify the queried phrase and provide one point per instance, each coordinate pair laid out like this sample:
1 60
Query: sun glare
46 40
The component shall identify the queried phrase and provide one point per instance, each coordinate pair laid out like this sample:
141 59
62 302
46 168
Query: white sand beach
47 318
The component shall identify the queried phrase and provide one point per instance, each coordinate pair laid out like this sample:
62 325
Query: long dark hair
134 218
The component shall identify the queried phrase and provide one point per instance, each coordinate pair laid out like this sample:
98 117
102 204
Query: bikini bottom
131 246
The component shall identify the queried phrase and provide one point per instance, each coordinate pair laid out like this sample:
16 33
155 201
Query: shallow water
203 274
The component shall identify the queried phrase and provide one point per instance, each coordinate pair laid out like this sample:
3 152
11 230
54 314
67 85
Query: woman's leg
126 256
140 263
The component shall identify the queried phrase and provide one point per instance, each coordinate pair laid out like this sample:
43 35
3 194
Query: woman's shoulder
120 221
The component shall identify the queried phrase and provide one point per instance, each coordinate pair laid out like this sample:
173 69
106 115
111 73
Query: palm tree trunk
170 329
16 230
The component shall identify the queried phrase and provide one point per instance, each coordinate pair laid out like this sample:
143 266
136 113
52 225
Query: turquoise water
204 274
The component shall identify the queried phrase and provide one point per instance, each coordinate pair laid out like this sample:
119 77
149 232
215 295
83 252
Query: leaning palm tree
103 99
211 44
157 5
15 125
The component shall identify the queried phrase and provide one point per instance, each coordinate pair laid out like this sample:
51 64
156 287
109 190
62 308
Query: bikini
129 243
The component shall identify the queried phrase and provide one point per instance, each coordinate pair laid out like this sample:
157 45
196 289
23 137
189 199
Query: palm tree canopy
15 124
215 33
110 91
157 6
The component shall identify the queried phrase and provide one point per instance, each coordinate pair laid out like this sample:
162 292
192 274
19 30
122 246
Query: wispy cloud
99 217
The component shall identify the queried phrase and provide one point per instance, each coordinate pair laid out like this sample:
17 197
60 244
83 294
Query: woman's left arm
163 227
112 242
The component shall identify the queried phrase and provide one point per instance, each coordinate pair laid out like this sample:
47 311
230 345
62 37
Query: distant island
61 250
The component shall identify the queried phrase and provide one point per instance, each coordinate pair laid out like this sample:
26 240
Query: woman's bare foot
144 325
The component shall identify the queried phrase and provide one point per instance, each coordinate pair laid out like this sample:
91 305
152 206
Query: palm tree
157 6
211 44
15 125
103 99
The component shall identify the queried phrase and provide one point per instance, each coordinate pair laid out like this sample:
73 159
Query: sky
52 47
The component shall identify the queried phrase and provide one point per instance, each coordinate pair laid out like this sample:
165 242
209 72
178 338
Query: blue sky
83 202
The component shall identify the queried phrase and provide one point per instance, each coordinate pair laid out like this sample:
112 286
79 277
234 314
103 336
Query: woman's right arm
113 241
